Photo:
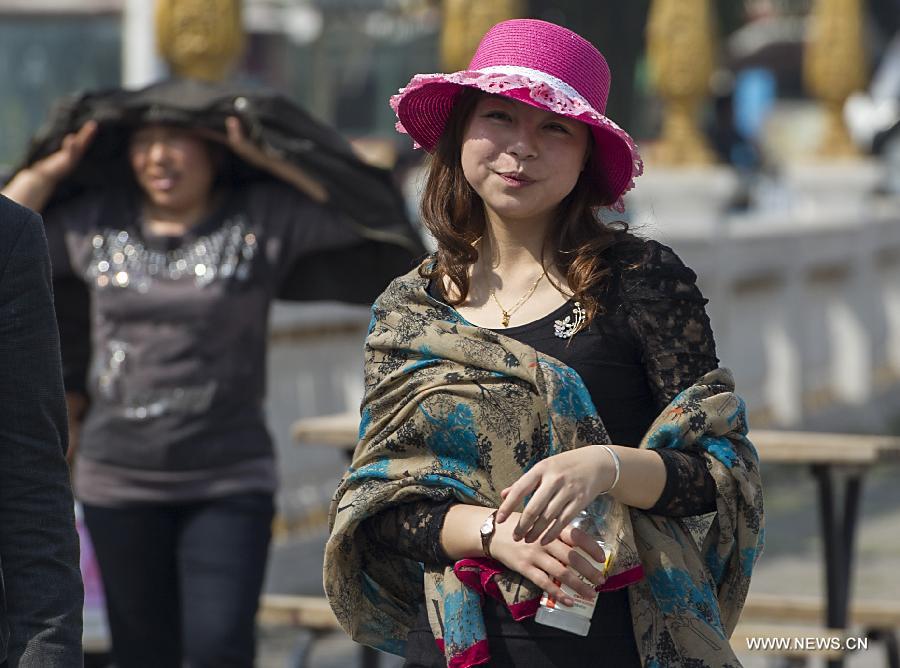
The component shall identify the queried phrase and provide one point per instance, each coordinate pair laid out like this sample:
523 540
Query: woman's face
172 166
522 161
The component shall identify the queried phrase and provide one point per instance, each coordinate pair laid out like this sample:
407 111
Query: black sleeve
668 319
411 530
319 253
38 542
71 302
689 489
354 274
667 315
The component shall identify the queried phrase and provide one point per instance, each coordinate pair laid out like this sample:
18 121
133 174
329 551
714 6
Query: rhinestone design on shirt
109 368
120 260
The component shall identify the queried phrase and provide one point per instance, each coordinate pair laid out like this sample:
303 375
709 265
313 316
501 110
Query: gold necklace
524 298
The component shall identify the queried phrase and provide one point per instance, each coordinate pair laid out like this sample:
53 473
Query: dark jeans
183 580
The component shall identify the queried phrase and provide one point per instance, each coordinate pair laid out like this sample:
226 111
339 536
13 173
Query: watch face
487 526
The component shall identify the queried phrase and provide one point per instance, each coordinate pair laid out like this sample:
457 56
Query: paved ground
791 563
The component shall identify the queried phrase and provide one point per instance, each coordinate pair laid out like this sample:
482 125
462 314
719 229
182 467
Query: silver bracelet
618 464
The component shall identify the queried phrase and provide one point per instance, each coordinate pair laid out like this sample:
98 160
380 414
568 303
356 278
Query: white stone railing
807 315
804 302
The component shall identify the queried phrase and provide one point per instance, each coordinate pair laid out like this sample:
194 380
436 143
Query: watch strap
486 538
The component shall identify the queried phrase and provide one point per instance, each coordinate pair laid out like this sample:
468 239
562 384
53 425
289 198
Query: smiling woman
533 332
521 161
175 169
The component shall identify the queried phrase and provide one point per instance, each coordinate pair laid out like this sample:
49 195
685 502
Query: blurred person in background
171 232
41 595
538 364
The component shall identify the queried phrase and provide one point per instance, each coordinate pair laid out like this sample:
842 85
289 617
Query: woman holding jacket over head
171 232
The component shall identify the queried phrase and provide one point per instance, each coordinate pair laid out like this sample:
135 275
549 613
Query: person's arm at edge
38 541
76 406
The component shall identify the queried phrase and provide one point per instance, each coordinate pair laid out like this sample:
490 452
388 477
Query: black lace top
652 340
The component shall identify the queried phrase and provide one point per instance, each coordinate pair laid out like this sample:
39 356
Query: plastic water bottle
594 521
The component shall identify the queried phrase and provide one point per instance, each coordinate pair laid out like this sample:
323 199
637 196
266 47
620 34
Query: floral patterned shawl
455 410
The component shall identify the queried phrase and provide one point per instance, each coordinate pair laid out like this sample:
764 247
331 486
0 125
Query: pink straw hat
541 64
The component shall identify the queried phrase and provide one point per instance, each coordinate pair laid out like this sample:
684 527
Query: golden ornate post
834 66
464 22
199 39
680 54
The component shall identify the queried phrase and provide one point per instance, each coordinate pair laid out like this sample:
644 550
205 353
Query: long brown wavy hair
454 214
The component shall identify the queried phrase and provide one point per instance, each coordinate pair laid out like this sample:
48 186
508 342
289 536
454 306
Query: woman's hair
454 214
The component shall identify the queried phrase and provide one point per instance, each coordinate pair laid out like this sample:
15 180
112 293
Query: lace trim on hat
549 97
535 75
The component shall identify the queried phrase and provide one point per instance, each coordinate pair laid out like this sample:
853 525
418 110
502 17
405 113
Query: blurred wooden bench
312 614
879 620
308 612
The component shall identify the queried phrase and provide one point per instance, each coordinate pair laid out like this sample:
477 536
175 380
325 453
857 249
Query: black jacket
41 598
364 193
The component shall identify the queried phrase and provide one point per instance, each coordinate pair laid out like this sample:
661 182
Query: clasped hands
538 542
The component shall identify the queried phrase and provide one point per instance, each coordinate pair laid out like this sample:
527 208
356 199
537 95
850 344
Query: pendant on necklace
506 319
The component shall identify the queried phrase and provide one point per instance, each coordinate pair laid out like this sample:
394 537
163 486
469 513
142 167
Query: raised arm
275 165
33 186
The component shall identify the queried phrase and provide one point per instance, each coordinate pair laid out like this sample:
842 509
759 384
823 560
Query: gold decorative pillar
199 39
834 66
680 54
464 22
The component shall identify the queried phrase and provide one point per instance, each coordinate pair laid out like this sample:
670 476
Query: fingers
87 132
61 162
517 493
552 507
549 585
234 134
76 143
577 563
580 539
237 140
534 518
540 524
561 520
234 130
559 572
587 570
550 517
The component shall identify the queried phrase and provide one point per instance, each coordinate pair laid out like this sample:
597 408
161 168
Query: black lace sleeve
667 316
411 530
689 490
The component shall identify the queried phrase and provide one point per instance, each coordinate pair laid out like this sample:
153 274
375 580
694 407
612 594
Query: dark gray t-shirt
178 329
